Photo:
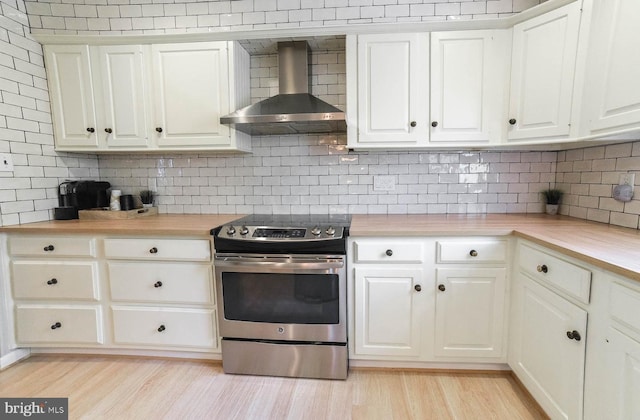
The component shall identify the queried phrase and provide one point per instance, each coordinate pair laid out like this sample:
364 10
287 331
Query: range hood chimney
293 110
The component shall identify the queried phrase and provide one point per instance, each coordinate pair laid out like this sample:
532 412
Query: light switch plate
6 163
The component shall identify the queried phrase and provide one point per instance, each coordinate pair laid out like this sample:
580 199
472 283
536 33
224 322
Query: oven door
282 297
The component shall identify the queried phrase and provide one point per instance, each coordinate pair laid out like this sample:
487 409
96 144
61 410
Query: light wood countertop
612 248
162 224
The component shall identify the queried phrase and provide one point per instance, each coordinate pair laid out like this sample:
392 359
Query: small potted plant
146 197
552 197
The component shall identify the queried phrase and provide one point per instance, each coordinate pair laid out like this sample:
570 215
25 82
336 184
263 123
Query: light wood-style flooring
139 388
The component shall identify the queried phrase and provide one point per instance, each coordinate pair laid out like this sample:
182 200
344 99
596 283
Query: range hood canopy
293 110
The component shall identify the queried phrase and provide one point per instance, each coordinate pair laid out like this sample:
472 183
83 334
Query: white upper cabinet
612 97
147 97
542 75
125 108
72 100
191 88
467 84
392 82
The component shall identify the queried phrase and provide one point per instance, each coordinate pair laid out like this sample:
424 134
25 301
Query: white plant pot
552 208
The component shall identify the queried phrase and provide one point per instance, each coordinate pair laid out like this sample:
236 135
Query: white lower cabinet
548 345
407 309
152 293
613 367
178 282
622 377
389 305
549 330
470 305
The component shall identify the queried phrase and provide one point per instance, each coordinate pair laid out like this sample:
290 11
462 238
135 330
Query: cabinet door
393 75
467 72
72 100
388 311
614 62
622 383
191 88
542 74
124 101
470 312
548 362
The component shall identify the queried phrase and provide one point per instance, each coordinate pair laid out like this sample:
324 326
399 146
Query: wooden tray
100 214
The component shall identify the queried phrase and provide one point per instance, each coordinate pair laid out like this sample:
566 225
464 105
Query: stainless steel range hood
294 110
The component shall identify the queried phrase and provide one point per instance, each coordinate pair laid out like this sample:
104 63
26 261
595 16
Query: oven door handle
286 262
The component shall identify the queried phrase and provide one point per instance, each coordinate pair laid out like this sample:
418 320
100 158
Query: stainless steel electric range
281 294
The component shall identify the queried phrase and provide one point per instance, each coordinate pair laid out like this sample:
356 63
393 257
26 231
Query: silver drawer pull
542 269
473 253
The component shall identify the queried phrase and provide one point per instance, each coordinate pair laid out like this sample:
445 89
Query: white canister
114 203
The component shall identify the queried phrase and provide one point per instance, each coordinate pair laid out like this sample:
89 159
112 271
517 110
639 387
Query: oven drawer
472 251
38 246
388 251
73 324
164 327
187 283
158 249
55 280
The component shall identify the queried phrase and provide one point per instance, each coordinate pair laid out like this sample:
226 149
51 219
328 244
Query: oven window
281 298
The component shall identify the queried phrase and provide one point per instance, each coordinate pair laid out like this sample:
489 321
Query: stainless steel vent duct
294 110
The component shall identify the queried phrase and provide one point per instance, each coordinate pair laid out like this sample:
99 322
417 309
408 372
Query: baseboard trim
14 356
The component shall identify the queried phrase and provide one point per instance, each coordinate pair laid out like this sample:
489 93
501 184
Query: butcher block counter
612 248
193 225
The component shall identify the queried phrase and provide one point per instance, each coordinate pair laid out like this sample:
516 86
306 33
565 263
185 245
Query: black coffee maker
80 195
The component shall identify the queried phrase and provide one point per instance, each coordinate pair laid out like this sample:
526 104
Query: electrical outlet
384 183
6 163
627 179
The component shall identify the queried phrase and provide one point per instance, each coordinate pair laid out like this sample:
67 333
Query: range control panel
265 233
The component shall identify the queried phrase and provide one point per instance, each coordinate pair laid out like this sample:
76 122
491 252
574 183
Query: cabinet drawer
572 279
73 324
158 249
165 327
389 250
161 282
472 251
54 280
52 246
624 306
